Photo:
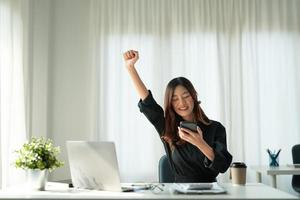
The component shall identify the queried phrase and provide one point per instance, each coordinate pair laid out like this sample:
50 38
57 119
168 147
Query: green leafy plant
38 153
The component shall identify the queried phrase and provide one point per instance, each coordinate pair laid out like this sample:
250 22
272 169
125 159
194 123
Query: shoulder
216 124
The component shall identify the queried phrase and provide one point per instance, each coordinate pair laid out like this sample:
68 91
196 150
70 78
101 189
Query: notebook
94 165
198 188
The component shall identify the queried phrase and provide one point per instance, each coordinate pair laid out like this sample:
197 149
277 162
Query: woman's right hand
130 58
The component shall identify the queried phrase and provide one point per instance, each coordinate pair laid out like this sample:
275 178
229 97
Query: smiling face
183 103
180 103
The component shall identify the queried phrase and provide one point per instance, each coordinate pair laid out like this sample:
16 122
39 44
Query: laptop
94 165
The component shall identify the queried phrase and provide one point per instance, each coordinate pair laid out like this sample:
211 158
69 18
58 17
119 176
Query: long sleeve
222 158
153 112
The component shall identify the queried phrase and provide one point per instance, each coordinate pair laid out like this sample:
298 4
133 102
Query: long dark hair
172 119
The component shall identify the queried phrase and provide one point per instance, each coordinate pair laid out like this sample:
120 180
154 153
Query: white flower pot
37 179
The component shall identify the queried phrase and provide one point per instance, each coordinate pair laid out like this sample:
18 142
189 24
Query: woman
194 156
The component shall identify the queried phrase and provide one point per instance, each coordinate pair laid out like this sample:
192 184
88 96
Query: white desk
273 171
250 191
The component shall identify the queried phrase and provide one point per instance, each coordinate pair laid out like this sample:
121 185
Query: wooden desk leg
258 177
273 179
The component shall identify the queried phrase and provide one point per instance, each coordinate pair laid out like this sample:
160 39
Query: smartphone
189 125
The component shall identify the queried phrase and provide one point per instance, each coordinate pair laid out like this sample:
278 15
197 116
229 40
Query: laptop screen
94 165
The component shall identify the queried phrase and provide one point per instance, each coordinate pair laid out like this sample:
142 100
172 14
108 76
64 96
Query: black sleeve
222 158
153 112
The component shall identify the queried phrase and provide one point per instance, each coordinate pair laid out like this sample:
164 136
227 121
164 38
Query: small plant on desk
38 157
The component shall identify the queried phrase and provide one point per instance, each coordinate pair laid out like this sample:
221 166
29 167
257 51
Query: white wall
39 47
71 92
62 103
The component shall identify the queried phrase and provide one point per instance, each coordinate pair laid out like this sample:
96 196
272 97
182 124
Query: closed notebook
198 188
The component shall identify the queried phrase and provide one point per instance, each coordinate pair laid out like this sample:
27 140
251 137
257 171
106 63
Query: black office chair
296 160
165 171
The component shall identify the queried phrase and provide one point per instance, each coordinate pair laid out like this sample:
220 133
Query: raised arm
130 58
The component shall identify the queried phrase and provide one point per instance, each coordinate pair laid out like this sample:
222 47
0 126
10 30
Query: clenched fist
131 57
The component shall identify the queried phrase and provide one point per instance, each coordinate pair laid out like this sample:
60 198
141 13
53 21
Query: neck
190 118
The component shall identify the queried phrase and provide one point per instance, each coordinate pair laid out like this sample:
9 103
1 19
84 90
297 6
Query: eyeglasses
157 188
153 187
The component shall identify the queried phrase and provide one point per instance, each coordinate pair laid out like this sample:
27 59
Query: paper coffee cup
238 173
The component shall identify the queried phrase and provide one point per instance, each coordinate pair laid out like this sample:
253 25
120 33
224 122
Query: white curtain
12 88
242 56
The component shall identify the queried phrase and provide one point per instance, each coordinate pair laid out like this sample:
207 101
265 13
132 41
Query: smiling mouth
183 108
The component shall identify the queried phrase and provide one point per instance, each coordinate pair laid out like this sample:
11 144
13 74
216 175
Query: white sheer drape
12 62
242 57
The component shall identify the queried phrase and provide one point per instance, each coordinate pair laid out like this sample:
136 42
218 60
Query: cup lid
238 165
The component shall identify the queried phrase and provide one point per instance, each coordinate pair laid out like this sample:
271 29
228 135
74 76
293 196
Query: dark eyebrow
185 92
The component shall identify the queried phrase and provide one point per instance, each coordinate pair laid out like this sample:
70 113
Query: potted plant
38 157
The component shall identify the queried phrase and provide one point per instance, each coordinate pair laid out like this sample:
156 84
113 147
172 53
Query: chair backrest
165 171
296 160
296 154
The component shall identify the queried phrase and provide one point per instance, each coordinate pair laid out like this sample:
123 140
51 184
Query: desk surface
280 170
249 191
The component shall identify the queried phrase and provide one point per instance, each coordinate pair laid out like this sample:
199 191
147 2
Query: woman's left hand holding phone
195 138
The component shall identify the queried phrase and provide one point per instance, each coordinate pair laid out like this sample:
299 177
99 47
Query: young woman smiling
194 156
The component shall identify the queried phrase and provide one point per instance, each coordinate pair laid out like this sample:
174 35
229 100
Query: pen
269 152
277 153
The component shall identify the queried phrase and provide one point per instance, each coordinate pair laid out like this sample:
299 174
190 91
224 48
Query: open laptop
94 165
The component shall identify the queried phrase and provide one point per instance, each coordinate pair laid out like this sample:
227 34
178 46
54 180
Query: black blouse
189 164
